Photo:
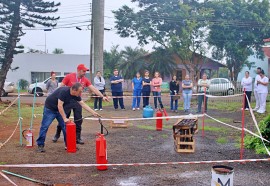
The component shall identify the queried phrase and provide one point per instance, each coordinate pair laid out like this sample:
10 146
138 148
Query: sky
72 41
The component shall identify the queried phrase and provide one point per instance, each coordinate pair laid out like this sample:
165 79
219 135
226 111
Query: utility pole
98 33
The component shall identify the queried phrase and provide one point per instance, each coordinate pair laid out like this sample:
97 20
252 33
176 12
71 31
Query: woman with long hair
156 89
174 90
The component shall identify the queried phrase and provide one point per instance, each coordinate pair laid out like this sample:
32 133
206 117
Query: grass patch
2 163
214 129
221 105
222 140
146 127
164 136
225 120
11 115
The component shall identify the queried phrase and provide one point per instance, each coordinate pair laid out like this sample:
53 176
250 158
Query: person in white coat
262 90
247 87
256 94
99 83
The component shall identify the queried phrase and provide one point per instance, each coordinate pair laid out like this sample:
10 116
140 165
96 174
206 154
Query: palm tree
132 62
111 60
161 60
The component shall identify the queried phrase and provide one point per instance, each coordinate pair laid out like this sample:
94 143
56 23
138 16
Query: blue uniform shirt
116 87
137 83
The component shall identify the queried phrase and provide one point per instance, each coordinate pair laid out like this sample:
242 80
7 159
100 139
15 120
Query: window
223 81
41 76
215 81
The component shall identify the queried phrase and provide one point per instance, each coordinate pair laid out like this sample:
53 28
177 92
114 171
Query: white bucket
222 175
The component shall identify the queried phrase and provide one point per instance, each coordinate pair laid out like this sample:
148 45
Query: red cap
82 67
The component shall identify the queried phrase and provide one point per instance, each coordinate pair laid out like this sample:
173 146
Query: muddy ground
135 144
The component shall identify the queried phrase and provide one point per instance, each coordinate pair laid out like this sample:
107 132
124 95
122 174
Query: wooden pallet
184 147
183 140
116 123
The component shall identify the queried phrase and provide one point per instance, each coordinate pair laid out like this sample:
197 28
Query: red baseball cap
82 67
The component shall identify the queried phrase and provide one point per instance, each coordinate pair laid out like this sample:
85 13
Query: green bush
252 142
23 83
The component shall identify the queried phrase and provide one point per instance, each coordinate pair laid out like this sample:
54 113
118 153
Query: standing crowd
67 97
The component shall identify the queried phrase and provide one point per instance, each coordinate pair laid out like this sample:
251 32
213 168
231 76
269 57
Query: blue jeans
137 99
174 103
48 117
157 96
187 94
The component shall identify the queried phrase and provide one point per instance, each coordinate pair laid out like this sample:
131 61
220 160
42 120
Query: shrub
23 83
252 142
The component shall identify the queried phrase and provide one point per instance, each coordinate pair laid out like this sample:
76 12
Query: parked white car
221 85
9 87
41 86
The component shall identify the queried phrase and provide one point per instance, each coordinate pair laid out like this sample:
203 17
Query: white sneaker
138 108
255 109
96 109
260 112
246 109
133 109
100 109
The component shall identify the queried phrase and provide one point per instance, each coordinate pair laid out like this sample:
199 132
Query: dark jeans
157 96
200 100
98 101
248 93
77 112
174 103
48 117
116 100
145 99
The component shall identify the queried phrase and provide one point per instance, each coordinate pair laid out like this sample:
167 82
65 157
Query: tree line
231 30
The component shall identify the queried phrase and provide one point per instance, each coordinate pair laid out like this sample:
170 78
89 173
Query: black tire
230 92
3 94
39 92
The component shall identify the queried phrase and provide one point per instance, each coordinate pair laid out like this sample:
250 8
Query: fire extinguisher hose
23 133
100 122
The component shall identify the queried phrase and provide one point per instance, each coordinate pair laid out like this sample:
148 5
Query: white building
264 64
32 66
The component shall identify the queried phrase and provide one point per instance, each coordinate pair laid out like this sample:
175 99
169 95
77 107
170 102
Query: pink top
156 83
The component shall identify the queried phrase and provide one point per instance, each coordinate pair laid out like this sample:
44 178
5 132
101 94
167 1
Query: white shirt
247 83
255 82
262 88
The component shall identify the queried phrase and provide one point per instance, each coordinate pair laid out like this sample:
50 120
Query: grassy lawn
222 140
11 115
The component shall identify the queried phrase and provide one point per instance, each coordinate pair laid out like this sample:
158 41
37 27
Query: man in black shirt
54 109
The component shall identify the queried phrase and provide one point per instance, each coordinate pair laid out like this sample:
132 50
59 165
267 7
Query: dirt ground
135 144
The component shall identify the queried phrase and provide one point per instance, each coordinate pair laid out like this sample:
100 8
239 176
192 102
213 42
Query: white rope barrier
238 128
256 124
2 112
7 178
2 144
130 164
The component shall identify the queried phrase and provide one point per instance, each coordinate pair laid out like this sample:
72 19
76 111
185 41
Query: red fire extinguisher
29 137
71 137
159 121
101 151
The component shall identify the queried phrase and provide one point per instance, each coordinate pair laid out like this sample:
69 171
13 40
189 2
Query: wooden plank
116 123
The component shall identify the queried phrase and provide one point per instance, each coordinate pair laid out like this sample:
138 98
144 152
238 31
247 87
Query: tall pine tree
14 15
